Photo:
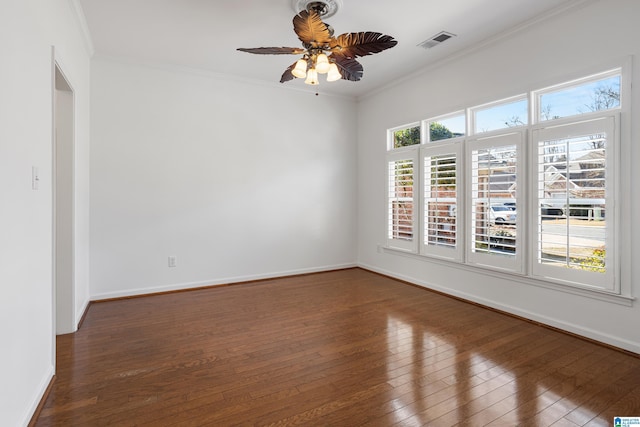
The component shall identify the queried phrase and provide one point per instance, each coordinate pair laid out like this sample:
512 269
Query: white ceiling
204 34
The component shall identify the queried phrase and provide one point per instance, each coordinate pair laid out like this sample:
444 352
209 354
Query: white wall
28 29
545 53
236 180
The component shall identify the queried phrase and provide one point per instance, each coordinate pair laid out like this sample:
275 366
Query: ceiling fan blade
286 76
354 45
349 68
273 50
311 30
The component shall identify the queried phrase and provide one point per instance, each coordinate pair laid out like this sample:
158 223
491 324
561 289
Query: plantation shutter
575 211
494 218
442 219
402 230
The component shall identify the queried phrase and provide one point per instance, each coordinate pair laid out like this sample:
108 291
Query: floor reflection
498 373
441 381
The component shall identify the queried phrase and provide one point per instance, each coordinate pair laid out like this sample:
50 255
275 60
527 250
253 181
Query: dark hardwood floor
344 348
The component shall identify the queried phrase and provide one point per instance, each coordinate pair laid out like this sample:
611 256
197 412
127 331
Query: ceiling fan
321 52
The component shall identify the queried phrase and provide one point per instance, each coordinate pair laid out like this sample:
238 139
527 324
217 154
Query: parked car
548 210
501 214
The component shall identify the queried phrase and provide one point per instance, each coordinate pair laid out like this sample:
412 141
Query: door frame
63 312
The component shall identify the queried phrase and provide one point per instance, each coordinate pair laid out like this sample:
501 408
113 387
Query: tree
411 136
545 113
438 131
514 121
406 137
443 172
554 153
604 98
444 168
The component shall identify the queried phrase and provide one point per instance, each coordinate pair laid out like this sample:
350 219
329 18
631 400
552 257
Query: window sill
625 300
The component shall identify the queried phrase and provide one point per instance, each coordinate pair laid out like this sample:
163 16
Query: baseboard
573 329
215 282
80 316
38 403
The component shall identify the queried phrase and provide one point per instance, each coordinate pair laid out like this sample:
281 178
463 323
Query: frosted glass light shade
334 73
322 64
300 70
312 77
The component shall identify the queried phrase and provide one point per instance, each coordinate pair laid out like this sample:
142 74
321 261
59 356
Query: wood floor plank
342 348
543 387
587 388
527 378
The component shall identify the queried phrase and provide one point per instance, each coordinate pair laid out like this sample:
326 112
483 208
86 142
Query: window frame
391 136
456 253
621 292
397 155
426 128
564 129
473 111
514 264
536 95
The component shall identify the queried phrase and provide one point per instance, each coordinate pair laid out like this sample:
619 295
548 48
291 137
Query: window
493 201
532 199
446 127
401 215
501 115
581 97
575 240
406 137
441 201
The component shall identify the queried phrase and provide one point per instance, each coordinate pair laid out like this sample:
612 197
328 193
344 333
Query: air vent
436 40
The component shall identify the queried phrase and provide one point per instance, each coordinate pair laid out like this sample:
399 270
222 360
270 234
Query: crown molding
78 12
180 69
560 10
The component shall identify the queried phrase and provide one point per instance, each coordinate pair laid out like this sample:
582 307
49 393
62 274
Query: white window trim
609 121
537 94
391 134
622 295
622 299
457 253
405 153
509 100
515 263
426 130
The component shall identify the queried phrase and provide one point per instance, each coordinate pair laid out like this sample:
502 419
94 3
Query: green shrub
595 262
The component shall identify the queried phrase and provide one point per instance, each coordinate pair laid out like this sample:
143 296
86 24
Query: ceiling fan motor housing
325 8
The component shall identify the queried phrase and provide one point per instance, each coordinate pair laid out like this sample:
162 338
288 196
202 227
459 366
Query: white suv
500 214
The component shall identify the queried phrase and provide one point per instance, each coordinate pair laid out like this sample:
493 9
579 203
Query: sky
563 102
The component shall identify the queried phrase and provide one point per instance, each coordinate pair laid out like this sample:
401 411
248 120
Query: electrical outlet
172 261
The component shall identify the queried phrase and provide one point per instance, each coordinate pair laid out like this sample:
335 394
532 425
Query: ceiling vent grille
436 40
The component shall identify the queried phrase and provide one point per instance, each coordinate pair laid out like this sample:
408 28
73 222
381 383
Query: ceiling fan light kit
322 53
300 70
322 63
312 77
326 8
333 74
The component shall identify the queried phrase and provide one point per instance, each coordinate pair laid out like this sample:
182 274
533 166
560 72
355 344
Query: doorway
63 204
